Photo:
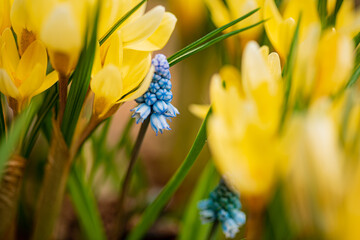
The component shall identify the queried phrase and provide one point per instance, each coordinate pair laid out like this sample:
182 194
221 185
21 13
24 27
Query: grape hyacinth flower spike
224 206
156 101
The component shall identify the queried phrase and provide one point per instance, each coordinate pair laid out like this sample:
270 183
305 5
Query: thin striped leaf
287 73
210 43
210 35
153 210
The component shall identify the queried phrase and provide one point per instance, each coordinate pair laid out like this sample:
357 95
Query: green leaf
287 72
80 85
192 228
85 204
210 43
210 35
354 77
153 210
332 18
9 144
121 21
322 10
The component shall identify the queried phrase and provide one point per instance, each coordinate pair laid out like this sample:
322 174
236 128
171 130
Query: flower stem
214 230
63 85
126 182
88 130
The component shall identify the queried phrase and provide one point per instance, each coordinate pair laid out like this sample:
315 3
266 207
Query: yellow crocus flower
142 32
122 75
122 66
22 78
63 32
222 15
243 127
280 28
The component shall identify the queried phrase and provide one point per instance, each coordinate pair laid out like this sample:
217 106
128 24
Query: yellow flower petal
4 15
142 28
34 54
135 67
273 24
115 52
144 86
50 80
159 38
254 68
335 66
7 87
37 11
19 17
32 82
107 87
10 55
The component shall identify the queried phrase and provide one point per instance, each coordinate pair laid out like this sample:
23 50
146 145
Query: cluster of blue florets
224 206
156 101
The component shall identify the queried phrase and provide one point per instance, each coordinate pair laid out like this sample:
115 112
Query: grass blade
153 210
210 35
332 18
287 72
192 228
211 42
85 205
354 77
121 21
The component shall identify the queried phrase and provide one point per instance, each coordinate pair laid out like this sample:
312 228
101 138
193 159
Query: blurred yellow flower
319 72
244 124
314 183
222 14
62 32
21 79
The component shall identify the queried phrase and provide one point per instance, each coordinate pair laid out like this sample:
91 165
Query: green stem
126 182
214 230
153 210
53 189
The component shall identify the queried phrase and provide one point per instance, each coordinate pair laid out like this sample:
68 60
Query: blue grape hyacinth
156 101
224 206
